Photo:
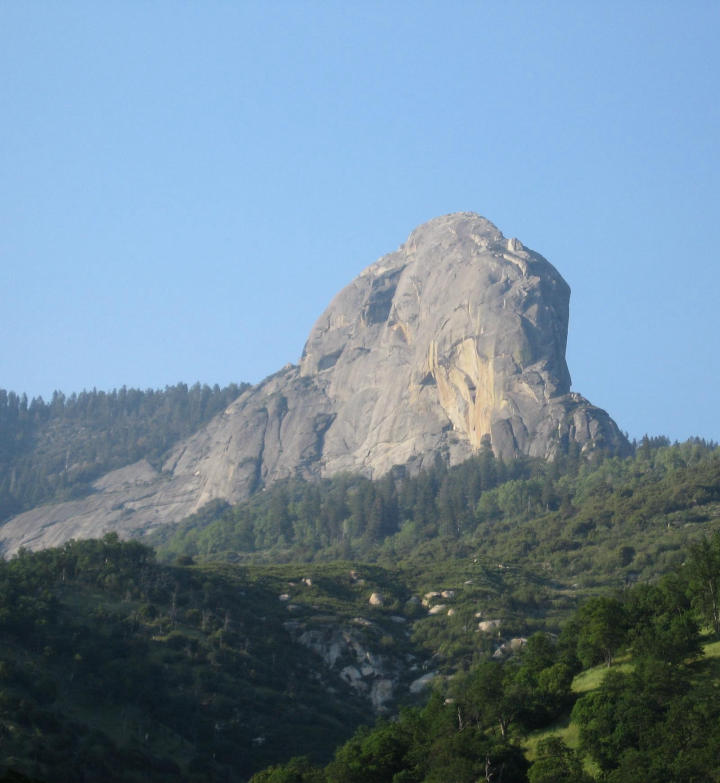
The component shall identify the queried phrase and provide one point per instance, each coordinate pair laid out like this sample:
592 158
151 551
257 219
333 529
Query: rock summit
453 342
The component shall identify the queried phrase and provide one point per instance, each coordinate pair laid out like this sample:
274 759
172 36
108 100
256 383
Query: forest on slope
270 629
594 522
53 451
521 542
648 712
116 668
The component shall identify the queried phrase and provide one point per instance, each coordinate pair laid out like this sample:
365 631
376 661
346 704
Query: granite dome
455 340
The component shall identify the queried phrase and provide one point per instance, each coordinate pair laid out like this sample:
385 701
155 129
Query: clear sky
185 185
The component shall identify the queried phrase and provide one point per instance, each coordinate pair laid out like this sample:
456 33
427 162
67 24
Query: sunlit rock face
457 337
455 340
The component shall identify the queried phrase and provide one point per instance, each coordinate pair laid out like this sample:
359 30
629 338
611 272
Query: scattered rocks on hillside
510 647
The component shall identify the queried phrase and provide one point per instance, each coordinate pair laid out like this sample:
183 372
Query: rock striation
455 340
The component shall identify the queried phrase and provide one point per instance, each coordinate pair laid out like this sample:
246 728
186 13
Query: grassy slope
590 679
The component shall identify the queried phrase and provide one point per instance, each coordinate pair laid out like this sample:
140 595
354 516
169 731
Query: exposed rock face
351 651
455 339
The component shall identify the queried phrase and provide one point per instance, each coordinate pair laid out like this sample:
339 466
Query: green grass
590 679
586 681
712 649
562 728
568 732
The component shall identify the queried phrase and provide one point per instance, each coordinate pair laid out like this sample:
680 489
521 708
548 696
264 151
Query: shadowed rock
454 340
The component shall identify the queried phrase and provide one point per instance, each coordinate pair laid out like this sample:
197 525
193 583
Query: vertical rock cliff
454 340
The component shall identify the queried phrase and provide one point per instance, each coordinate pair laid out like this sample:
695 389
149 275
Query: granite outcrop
453 342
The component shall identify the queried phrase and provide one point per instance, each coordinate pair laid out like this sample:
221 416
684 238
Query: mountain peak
453 341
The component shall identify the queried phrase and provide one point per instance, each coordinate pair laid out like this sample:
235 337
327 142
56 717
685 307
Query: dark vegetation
52 451
655 720
589 524
115 666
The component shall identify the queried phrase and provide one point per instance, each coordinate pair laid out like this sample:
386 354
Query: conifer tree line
54 450
516 510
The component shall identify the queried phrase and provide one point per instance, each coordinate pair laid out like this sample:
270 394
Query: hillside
452 343
54 451
252 644
649 714
594 523
115 668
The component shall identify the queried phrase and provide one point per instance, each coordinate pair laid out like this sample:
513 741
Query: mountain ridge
455 340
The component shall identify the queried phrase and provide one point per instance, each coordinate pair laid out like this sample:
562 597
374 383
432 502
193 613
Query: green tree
557 763
493 695
703 567
298 770
602 630
627 712
371 756
539 653
670 637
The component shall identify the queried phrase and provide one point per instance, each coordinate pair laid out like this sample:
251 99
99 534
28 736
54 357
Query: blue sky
185 185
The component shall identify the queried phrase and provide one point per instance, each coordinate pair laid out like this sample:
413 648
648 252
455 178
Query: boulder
376 599
418 685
